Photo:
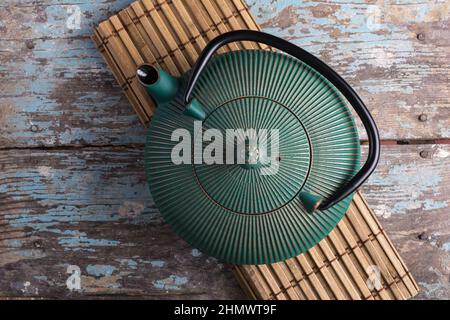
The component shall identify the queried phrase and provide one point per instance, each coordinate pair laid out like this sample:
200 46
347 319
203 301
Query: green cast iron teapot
207 155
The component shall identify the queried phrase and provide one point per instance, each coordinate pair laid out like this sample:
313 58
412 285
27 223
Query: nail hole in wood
424 154
37 244
423 117
29 44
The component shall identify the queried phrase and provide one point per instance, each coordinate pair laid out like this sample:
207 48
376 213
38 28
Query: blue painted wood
91 208
57 89
72 187
49 69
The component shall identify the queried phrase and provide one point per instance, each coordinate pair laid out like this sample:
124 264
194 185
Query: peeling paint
438 289
130 263
173 282
157 263
44 171
16 254
131 208
286 18
441 153
430 204
382 211
196 253
413 186
41 278
13 243
435 290
446 247
100 270
25 288
31 253
76 241
50 100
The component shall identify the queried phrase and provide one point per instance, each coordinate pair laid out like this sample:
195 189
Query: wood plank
395 54
64 75
56 89
153 24
410 196
62 93
363 241
58 92
92 208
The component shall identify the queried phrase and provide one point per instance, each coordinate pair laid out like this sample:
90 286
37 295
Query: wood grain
155 32
92 208
339 266
61 111
398 75
55 87
395 54
410 195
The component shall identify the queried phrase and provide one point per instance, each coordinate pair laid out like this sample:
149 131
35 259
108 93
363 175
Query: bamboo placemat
340 267
168 33
171 34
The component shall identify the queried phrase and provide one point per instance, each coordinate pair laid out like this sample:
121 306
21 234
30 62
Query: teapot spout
161 86
310 201
195 110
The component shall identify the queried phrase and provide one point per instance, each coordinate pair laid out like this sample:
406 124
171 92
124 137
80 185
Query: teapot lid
298 139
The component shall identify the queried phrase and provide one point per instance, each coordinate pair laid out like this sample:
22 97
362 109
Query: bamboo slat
171 34
338 267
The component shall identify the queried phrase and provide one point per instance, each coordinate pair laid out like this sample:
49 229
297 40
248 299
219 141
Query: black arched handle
297 52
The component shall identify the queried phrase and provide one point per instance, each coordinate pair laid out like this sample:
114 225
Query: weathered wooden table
72 186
